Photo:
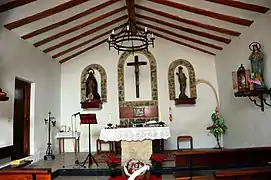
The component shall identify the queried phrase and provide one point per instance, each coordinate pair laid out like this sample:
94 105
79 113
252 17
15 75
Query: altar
135 142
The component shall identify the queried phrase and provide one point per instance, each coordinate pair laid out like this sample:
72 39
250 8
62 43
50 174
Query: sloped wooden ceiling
64 29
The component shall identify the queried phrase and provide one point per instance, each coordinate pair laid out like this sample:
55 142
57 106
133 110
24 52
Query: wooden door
21 123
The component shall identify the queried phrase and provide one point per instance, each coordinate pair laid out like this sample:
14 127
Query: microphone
76 114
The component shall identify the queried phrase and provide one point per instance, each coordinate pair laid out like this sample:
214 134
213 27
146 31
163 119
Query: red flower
112 160
159 159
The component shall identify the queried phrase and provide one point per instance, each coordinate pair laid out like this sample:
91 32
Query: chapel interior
135 89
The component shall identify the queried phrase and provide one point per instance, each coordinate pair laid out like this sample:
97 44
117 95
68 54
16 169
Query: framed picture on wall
138 112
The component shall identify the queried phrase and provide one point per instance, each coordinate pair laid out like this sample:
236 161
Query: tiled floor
67 161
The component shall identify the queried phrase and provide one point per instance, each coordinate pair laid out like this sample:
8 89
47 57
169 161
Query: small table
61 136
135 142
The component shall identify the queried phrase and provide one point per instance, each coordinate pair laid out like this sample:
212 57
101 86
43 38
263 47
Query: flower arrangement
157 159
132 165
218 128
112 161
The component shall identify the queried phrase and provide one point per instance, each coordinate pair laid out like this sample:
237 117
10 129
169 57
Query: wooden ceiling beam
14 4
189 30
181 43
131 14
82 51
68 20
44 14
86 42
180 36
242 5
84 34
190 22
78 27
214 15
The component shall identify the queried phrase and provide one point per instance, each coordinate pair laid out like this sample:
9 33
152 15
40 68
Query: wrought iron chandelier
130 39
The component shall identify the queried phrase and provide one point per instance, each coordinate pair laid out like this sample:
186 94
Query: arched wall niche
103 81
127 119
171 79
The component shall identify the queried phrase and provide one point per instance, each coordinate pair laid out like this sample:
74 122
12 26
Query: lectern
88 119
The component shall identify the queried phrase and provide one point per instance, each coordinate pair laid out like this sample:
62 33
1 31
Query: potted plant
157 161
112 162
218 128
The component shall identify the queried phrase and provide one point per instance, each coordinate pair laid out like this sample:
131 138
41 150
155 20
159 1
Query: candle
113 32
127 28
109 118
152 35
160 116
146 29
109 38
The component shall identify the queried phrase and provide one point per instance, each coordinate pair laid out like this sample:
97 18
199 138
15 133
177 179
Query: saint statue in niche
257 66
92 87
182 81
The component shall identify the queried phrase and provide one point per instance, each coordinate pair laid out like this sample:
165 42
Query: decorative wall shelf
92 105
256 93
4 98
185 101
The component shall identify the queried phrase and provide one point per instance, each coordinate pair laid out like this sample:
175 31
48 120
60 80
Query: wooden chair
185 138
99 145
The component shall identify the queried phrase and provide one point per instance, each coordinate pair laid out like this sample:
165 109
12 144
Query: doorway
21 123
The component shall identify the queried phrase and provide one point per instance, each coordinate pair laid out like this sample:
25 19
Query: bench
257 173
24 173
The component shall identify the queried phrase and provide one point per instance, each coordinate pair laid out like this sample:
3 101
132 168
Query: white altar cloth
135 134
135 142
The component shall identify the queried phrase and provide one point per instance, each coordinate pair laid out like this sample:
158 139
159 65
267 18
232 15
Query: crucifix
137 64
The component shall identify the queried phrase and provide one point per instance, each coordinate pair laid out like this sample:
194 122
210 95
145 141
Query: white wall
248 126
20 59
187 120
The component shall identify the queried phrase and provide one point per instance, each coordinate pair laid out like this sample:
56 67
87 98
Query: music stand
88 119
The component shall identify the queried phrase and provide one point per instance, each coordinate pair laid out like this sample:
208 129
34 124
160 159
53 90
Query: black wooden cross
137 64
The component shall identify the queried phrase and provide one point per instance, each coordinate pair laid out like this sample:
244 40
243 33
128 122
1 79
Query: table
61 136
135 142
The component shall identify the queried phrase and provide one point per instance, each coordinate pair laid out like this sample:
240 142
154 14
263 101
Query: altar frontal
136 143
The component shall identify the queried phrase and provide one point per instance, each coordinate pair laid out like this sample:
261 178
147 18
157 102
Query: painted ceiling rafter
172 25
181 36
68 20
78 27
14 4
190 22
189 30
82 51
86 42
84 34
241 5
44 14
207 13
181 43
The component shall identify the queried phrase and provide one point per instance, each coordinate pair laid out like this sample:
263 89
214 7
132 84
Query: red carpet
101 157
125 178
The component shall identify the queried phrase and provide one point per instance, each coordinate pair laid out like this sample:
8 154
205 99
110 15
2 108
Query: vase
157 170
113 171
218 146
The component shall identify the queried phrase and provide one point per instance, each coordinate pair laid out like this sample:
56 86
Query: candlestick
160 116
109 118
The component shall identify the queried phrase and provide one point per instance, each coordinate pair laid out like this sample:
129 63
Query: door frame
26 115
